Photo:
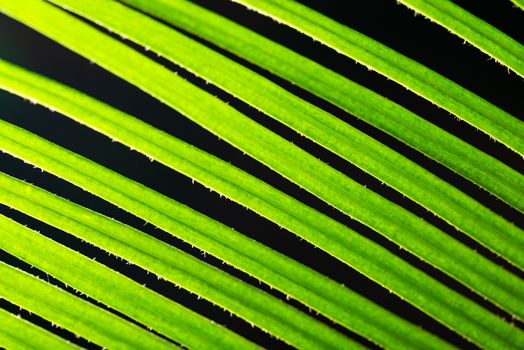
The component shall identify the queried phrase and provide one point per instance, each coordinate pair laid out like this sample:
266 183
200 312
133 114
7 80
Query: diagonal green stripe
399 225
61 308
474 30
389 166
257 307
111 289
405 71
519 3
17 333
458 312
380 112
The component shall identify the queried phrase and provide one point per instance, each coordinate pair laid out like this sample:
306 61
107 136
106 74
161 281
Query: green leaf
474 30
17 333
62 308
95 280
405 71
519 3
180 268
452 309
444 304
399 225
395 170
380 112
343 309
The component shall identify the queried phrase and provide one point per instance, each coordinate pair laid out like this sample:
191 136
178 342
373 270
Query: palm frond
19 333
110 310
378 111
427 83
476 31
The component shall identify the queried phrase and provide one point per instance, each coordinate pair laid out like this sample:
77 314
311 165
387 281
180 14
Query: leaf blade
174 265
479 33
66 310
424 292
95 280
378 111
17 333
397 171
340 191
432 86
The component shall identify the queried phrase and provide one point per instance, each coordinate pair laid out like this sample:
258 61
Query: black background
386 21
